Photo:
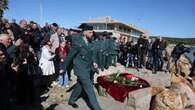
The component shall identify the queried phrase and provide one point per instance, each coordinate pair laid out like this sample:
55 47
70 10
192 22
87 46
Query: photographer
143 45
178 50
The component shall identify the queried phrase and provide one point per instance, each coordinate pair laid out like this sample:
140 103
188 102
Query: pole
41 12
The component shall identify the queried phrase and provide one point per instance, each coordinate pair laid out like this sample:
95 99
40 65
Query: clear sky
174 18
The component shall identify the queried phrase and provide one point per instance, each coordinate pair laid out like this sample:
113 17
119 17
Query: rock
185 69
185 66
156 89
168 100
56 95
176 79
193 83
139 99
183 88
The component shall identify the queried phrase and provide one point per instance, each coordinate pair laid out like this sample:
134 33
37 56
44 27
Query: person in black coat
36 37
4 79
178 50
25 70
143 45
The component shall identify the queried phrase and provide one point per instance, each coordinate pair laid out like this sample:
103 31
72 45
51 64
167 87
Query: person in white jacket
46 61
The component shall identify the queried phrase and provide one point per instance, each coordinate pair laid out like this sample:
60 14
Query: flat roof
109 20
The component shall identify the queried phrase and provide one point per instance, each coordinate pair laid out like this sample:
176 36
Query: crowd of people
32 56
27 60
145 53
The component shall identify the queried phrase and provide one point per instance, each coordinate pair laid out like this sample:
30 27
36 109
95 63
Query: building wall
135 33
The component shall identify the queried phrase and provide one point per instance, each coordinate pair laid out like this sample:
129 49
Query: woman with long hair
46 62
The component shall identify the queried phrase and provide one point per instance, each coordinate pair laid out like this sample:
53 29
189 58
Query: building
117 28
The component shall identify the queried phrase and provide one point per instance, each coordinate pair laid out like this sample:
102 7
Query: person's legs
60 79
114 60
88 88
155 63
65 79
161 63
136 60
158 63
101 61
107 61
75 94
69 71
3 101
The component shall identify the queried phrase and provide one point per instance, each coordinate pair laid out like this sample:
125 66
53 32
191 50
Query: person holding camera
178 50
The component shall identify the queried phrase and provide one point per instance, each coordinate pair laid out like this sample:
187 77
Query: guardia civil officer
81 55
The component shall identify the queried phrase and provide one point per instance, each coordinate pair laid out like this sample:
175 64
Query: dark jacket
61 53
3 77
143 45
179 50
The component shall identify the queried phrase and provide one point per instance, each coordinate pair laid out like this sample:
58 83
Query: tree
3 6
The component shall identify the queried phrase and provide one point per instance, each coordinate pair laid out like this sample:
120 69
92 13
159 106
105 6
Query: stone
185 69
156 89
56 95
193 84
168 100
139 99
184 88
185 66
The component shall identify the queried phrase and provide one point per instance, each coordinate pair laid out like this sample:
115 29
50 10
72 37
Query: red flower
129 76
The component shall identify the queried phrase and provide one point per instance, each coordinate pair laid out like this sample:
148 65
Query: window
135 33
110 27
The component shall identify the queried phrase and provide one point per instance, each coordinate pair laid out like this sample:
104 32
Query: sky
173 18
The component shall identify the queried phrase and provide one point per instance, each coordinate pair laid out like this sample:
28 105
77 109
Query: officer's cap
85 27
55 24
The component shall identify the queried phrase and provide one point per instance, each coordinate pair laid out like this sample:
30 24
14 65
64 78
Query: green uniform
114 52
96 48
82 56
101 54
108 58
